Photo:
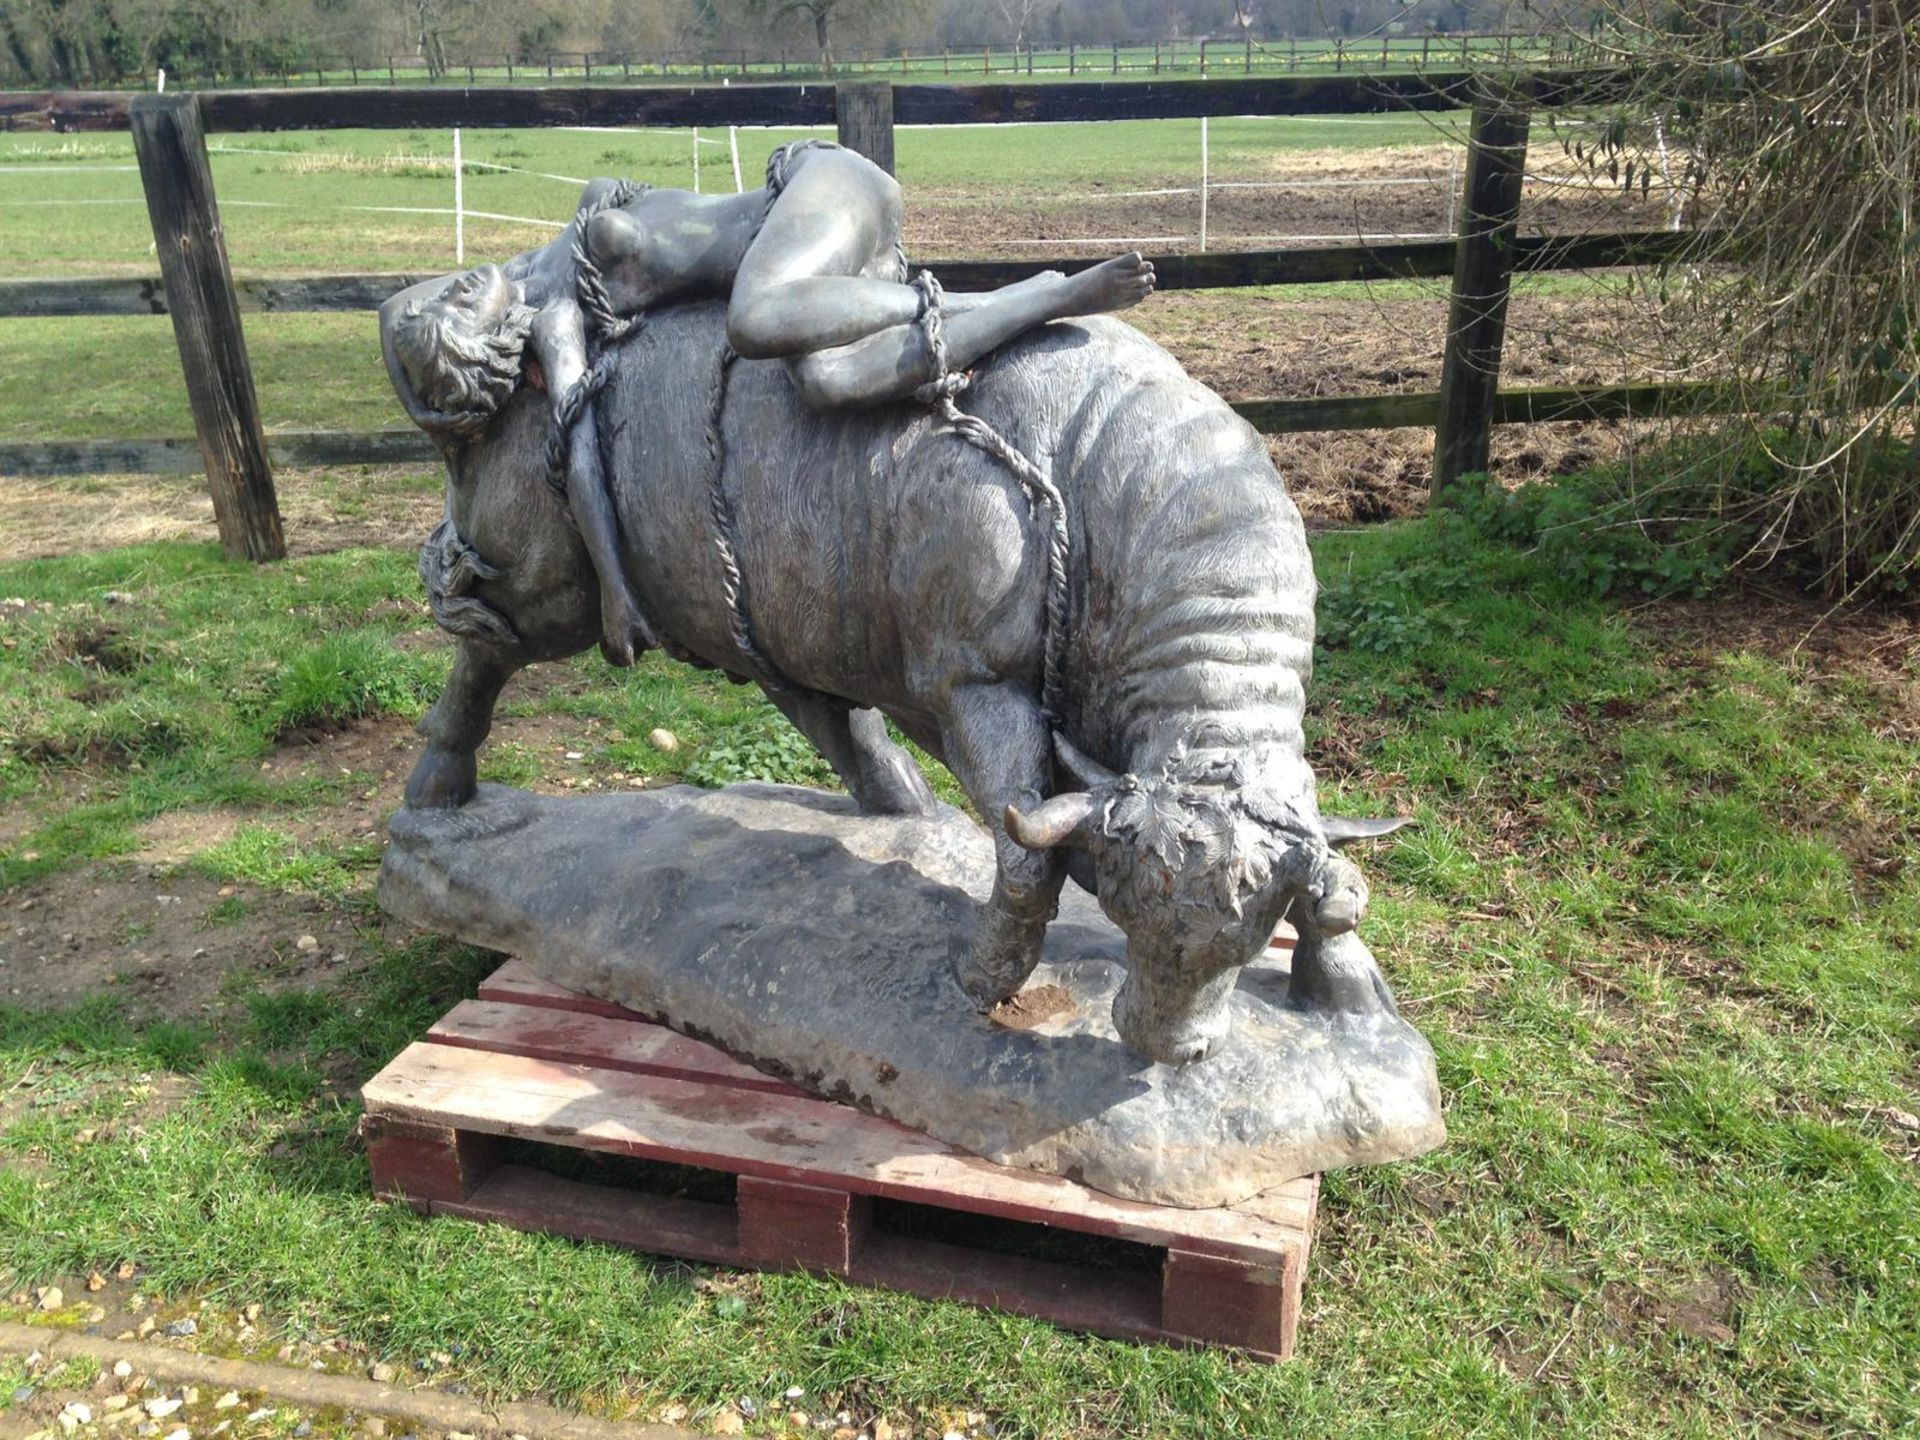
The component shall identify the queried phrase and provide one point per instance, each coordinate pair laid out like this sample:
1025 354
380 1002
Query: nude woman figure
813 271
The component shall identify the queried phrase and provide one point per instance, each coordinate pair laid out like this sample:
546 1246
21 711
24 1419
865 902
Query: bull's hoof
1003 956
1337 973
985 987
442 780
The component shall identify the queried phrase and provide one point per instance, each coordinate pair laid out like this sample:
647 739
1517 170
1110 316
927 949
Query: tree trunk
820 36
29 72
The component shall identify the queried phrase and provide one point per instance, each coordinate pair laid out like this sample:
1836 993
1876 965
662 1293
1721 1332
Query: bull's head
1197 867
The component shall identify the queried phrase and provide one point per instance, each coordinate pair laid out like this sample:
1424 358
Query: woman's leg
816 312
804 292
893 363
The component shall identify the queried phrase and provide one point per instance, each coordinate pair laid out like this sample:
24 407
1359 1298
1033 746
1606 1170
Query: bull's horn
1088 771
1061 821
1342 830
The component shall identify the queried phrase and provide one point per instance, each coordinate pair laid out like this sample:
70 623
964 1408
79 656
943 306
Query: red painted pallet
528 1060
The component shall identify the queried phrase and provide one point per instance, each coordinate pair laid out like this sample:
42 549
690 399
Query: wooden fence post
864 112
1482 278
172 151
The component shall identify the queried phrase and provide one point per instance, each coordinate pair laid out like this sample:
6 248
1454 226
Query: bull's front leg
999 746
1332 967
446 775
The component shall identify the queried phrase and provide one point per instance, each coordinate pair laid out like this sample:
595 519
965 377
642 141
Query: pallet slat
518 983
566 1036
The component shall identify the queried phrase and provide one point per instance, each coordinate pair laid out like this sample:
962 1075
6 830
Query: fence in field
1202 56
197 289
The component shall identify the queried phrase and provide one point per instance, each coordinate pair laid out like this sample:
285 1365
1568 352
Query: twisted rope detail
941 393
733 584
605 331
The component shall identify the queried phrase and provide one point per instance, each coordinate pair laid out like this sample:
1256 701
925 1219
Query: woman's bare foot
1116 284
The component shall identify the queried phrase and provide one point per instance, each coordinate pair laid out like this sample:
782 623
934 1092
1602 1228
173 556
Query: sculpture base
818 944
810 1179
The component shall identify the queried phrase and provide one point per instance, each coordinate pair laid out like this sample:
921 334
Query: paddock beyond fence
197 290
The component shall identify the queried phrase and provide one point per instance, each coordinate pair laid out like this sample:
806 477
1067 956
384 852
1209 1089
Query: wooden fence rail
389 108
205 302
1290 416
1217 270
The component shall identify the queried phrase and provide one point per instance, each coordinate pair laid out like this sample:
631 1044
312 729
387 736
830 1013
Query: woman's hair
460 368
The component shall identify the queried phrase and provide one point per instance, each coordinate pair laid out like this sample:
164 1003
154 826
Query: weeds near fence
1789 125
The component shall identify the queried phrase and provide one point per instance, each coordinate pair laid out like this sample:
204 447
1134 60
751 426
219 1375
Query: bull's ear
1084 768
1342 830
1063 820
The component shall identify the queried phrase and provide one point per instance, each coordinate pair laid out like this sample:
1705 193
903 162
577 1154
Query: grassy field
341 200
345 201
1660 920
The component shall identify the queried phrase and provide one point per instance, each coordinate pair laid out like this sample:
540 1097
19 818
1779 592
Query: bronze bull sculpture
874 566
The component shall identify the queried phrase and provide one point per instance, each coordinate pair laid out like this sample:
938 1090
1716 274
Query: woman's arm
560 347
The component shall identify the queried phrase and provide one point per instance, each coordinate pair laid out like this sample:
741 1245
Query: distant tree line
95 42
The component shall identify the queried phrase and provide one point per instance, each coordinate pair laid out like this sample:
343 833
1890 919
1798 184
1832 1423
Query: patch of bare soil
356 507
1247 348
1412 195
167 941
172 941
1704 1309
1879 645
1031 1008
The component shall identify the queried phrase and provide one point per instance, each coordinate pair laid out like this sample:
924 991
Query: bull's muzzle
1172 1022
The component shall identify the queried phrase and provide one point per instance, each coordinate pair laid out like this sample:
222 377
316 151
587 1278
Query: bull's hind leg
1001 750
446 775
878 773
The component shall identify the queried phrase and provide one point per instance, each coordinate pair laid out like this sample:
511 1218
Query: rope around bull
608 332
941 393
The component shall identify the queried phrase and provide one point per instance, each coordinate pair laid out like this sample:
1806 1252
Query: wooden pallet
528 1060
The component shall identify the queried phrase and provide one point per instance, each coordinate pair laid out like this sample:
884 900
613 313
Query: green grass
169 694
1660 920
285 198
284 205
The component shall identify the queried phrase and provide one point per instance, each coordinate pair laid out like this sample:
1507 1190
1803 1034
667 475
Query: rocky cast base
818 944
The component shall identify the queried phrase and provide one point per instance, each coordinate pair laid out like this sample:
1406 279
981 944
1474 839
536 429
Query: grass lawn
71 205
1659 919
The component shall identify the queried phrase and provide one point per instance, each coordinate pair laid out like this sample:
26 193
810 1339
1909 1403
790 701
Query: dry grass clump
1787 129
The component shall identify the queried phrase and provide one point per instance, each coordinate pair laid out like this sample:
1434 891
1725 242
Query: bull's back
863 537
884 556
